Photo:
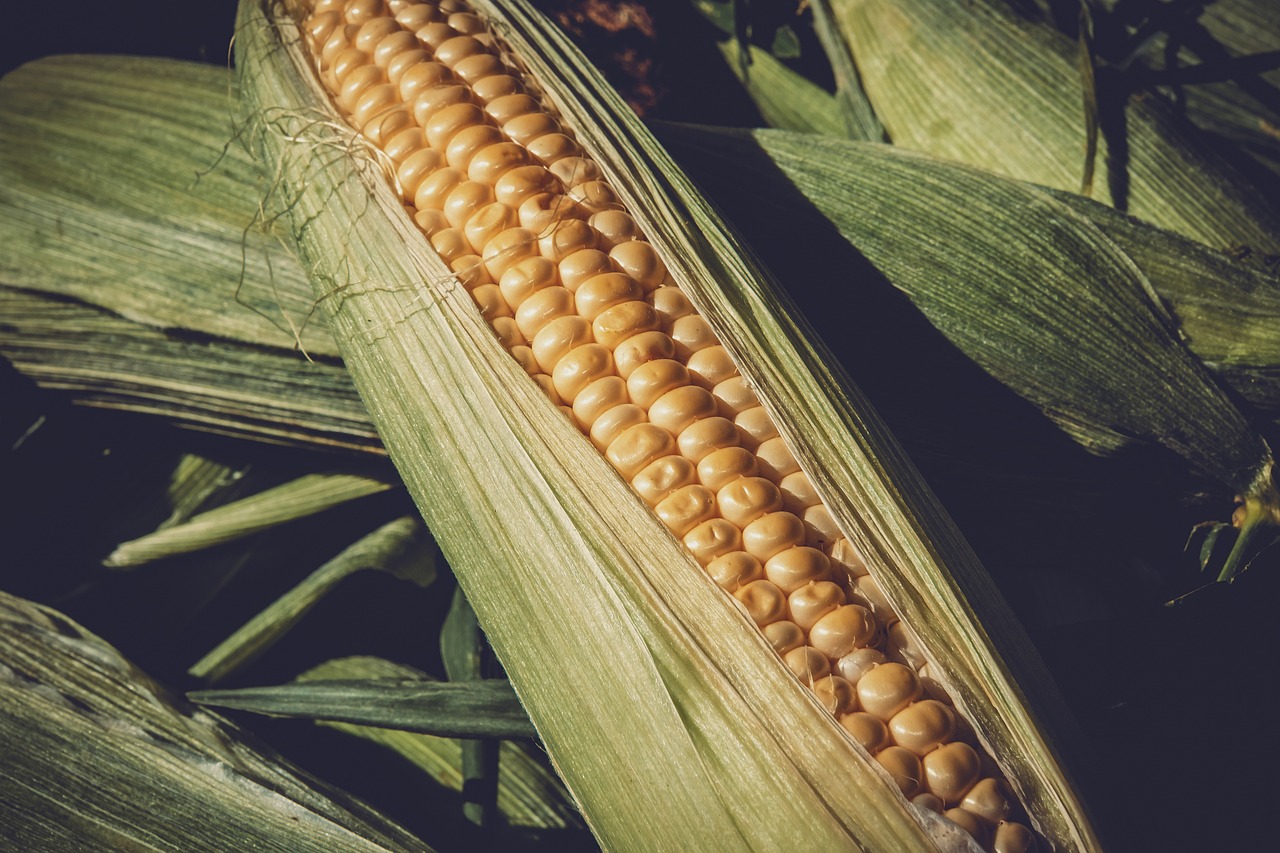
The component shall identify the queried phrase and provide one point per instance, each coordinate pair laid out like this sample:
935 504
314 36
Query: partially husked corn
562 272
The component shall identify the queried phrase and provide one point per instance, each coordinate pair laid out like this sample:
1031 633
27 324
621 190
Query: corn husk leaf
176 187
307 495
401 547
528 793
122 765
1028 287
104 361
974 82
716 732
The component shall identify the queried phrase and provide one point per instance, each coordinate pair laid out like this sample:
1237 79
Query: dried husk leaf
1022 282
121 764
977 83
716 733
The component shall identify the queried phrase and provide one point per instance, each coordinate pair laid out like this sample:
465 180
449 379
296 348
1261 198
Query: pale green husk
624 653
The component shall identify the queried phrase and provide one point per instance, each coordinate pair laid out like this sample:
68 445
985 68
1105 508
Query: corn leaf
529 794
1028 287
97 756
977 83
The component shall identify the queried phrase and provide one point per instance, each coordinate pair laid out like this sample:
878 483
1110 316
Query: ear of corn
669 680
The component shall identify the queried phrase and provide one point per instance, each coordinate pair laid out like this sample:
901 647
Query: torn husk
624 652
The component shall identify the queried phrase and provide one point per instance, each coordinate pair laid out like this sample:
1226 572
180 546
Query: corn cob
562 273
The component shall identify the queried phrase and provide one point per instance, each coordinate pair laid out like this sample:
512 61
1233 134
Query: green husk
716 733
977 83
96 756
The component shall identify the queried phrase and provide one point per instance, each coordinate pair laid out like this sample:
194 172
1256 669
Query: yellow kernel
566 237
431 222
580 367
691 334
445 123
472 274
464 200
530 126
812 601
359 11
415 16
572 170
478 66
680 407
843 553
842 630
951 770
541 212
798 493
359 81
735 393
706 436
452 50
867 730
776 459
928 801
339 40
820 527
970 823
671 304
400 65
594 196
807 663
403 145
416 167
771 533
430 101
395 44
541 308
745 499
900 646
922 725
615 226
496 86
347 61
507 107
858 663
614 422
721 467
641 349
488 222
557 338
614 325
450 244
763 601
792 568
736 569
435 188
783 636
509 333
507 249
582 265
713 538
652 379
435 33
866 587
711 366
604 291
661 477
521 280
373 100
466 23
755 424
553 147
386 124
468 142
597 398
320 26
835 694
493 161
639 260
417 79
989 799
1014 838
373 31
686 508
518 184
489 299
904 766
637 446
887 689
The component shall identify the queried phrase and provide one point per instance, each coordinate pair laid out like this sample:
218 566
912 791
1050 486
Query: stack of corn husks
989 309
